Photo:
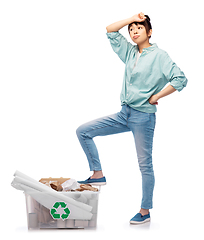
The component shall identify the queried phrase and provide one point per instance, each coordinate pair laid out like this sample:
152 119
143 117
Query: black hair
146 24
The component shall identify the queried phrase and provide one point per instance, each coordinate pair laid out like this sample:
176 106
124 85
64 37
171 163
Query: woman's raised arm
114 27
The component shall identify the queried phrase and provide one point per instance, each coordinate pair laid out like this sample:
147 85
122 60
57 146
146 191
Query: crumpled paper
70 184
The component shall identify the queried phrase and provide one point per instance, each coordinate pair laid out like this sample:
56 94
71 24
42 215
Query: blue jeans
142 126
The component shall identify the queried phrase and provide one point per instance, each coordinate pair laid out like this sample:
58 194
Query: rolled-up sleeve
173 73
119 44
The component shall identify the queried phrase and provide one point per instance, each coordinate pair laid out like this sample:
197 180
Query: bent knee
79 131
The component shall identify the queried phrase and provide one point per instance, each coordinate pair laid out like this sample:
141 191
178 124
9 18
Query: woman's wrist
158 96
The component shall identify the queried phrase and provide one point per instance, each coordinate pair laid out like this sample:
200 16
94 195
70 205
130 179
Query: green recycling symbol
63 216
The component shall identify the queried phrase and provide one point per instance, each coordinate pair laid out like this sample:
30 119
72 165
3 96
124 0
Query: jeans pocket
140 117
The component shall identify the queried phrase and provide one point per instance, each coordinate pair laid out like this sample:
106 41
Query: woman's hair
146 24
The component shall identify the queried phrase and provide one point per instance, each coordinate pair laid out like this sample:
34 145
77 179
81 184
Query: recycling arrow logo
62 212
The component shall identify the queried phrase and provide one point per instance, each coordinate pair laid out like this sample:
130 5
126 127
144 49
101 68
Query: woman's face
138 33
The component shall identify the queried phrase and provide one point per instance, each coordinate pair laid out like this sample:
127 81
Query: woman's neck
143 45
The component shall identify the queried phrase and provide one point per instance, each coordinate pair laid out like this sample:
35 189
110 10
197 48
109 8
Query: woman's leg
142 126
112 124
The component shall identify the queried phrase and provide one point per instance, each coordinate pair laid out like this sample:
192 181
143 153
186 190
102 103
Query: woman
148 69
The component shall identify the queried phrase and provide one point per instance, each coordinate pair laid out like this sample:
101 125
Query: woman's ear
150 33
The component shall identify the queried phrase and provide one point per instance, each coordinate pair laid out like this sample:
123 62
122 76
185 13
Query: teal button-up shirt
152 72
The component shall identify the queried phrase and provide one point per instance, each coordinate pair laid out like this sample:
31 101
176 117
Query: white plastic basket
62 214
47 208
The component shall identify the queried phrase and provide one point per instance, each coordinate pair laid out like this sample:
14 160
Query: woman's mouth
136 36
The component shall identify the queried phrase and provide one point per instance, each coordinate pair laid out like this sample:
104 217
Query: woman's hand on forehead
138 17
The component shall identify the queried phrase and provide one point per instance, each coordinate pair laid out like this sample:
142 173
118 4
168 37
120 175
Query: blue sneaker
94 181
139 219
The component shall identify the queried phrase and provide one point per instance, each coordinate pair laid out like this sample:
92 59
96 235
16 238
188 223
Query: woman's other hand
154 100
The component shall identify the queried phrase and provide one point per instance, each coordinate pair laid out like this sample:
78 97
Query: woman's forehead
136 24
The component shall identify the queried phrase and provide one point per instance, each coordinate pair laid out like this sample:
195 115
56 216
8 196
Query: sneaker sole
136 223
98 184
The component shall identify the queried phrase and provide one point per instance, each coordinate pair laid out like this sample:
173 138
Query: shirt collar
149 49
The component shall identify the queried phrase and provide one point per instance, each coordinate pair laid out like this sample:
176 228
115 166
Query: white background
58 71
